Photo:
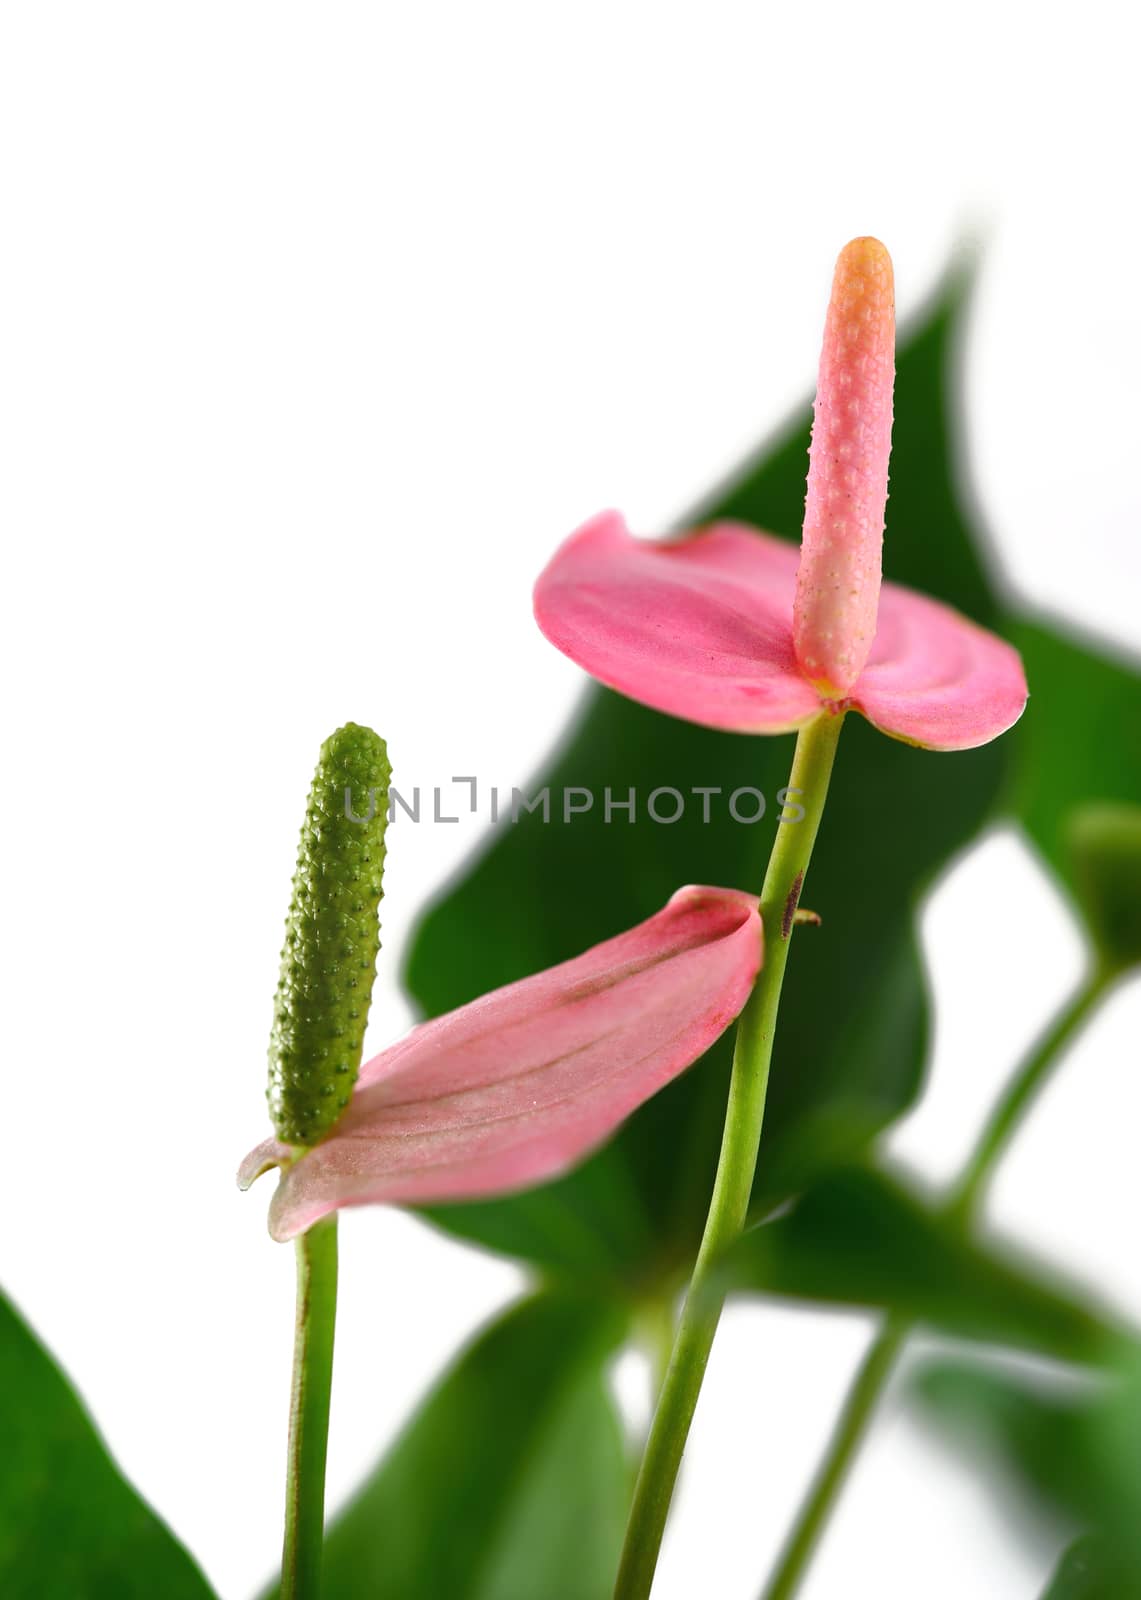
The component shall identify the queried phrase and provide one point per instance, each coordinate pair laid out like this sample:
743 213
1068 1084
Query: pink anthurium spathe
736 629
519 1085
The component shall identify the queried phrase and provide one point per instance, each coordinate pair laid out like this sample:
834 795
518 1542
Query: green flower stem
878 1364
843 1448
309 1411
792 850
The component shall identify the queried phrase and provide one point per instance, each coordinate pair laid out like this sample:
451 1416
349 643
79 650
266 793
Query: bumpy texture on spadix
838 584
518 1086
332 937
702 628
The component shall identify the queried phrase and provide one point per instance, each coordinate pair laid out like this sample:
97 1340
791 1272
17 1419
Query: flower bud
1105 848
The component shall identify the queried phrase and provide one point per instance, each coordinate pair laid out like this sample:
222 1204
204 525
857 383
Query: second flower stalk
728 1209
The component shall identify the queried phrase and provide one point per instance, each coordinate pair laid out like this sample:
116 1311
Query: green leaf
846 1065
71 1526
859 1238
1034 1434
511 1481
1071 1454
1089 1570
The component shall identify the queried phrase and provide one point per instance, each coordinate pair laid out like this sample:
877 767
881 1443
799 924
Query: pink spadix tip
838 580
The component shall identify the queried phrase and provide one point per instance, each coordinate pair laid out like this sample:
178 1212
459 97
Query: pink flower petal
838 585
520 1085
700 628
935 679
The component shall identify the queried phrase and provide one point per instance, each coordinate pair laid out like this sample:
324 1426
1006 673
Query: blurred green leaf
1071 1454
71 1526
1089 1571
510 1482
1029 1431
846 1065
859 1238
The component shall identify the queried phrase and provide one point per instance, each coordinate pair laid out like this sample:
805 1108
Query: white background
321 325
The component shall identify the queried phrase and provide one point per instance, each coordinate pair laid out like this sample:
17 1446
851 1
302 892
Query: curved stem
870 1381
309 1411
1020 1093
792 850
847 1437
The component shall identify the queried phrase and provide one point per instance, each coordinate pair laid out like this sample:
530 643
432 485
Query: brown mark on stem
787 919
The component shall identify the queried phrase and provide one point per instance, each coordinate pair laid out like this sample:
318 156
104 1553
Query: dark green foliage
71 1526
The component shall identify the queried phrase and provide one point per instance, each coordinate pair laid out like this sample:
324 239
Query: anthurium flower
519 1085
736 629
